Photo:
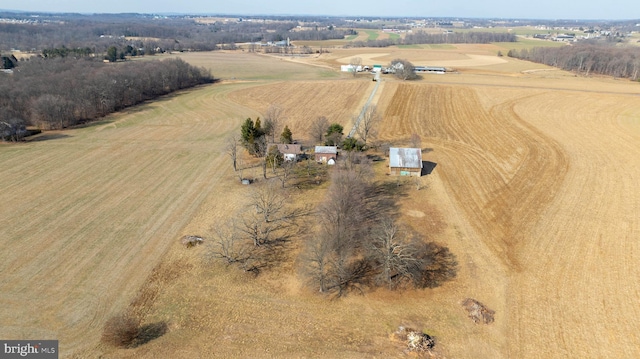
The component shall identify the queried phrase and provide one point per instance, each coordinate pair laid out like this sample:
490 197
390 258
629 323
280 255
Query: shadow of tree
383 198
47 137
150 332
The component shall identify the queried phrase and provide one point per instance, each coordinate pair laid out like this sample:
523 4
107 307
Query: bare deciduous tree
286 170
393 254
316 259
273 120
13 129
228 245
232 151
332 254
319 128
355 62
121 330
257 237
366 125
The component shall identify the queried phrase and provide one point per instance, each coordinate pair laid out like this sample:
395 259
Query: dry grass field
535 191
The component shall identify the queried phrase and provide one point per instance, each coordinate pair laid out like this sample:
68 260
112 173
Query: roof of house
327 149
289 148
405 157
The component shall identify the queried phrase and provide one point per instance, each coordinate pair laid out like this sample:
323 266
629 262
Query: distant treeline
587 58
59 92
150 34
444 38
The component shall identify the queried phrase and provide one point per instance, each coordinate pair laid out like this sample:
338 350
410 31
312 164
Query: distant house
405 161
290 152
326 154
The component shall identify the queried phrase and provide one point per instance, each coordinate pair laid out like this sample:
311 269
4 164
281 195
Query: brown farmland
534 189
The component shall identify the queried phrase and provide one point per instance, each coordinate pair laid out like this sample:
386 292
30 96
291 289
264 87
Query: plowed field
535 190
548 182
339 101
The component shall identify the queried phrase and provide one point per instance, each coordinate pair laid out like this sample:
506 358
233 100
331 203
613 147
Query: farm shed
430 69
290 152
405 161
326 154
350 68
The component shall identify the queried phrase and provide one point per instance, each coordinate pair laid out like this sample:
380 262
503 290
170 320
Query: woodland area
587 58
150 34
61 92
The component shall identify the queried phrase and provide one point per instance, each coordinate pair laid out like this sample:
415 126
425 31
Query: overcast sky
531 9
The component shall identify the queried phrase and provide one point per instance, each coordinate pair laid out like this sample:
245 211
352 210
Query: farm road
364 109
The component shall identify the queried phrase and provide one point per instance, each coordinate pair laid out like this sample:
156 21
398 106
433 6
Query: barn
326 154
405 161
430 69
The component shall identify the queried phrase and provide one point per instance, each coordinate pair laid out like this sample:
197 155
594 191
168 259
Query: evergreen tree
257 129
286 136
334 135
247 130
112 54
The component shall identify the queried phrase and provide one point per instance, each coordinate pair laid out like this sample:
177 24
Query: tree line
587 58
60 92
421 37
149 34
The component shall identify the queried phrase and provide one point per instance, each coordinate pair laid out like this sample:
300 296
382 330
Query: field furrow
496 166
579 284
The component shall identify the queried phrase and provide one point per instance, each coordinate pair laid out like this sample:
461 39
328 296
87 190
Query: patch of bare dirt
478 312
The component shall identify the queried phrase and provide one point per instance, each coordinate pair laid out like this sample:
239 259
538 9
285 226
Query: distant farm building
350 68
326 154
405 161
430 69
564 37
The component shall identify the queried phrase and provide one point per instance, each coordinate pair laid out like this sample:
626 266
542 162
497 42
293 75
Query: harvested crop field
534 189
338 100
544 181
87 213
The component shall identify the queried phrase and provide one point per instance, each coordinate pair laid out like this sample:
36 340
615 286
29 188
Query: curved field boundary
580 283
501 170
